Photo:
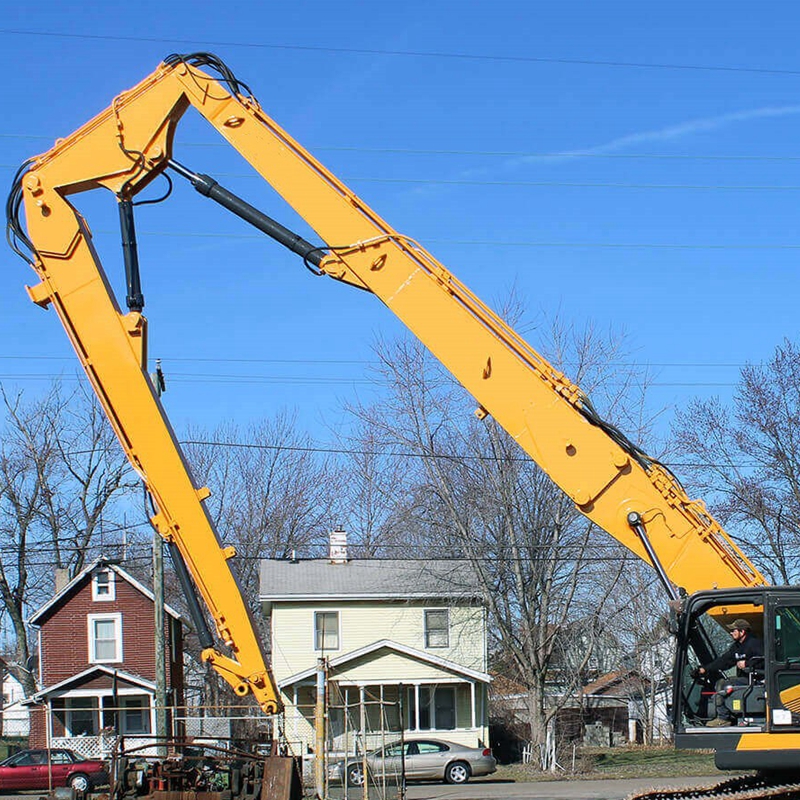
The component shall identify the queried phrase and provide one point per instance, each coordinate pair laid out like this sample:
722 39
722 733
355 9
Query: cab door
783 657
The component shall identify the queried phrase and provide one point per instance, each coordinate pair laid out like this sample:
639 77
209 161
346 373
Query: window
437 628
103 587
105 638
135 715
431 747
437 708
326 630
81 716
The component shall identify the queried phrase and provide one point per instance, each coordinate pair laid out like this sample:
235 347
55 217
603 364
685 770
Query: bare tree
473 494
61 473
746 461
373 489
638 615
272 493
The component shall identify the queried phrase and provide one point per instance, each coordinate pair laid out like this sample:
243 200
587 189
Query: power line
330 449
569 184
490 242
409 53
337 361
489 153
542 184
321 380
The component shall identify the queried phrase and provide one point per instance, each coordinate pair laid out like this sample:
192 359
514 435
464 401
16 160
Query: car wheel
79 782
355 775
457 772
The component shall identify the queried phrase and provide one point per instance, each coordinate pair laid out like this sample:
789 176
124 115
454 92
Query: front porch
95 712
434 697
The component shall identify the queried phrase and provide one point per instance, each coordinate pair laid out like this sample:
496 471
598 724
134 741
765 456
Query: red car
33 769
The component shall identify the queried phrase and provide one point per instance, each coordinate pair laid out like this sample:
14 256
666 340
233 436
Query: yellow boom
125 147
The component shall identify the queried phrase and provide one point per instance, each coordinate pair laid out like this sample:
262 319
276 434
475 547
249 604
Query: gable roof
402 649
613 684
81 677
370 578
78 581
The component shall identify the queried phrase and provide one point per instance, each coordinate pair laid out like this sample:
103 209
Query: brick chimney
62 578
338 546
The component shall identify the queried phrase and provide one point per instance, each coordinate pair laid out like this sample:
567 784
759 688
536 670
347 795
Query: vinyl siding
363 623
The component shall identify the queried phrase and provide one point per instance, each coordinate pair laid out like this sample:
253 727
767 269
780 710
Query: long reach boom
630 495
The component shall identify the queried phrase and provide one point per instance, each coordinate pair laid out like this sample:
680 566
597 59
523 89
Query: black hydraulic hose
208 187
195 612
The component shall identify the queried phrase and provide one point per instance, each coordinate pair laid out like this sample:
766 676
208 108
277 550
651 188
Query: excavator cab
739 712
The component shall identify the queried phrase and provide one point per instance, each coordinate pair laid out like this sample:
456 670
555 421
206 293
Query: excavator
708 581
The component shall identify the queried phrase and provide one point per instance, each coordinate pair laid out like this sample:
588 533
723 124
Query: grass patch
656 762
594 763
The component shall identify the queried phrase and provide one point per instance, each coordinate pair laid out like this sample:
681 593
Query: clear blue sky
677 221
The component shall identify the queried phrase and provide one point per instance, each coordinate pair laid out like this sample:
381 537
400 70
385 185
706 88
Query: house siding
66 669
68 624
362 623
376 670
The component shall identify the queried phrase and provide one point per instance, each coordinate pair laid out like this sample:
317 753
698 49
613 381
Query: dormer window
103 585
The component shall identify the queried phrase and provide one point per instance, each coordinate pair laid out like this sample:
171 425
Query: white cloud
672 132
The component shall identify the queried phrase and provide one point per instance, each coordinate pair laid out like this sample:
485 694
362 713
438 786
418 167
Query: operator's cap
739 625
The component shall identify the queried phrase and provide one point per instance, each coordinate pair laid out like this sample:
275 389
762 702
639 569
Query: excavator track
748 787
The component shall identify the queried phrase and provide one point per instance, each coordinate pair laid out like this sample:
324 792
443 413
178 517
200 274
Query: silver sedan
417 759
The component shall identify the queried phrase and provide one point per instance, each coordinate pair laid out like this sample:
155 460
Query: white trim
99 693
78 677
399 681
425 657
116 618
472 701
456 601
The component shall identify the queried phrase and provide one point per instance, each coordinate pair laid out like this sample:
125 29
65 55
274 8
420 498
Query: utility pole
319 728
158 615
161 659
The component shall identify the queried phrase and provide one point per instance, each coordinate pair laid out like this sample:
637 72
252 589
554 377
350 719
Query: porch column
294 712
155 717
48 723
472 699
416 706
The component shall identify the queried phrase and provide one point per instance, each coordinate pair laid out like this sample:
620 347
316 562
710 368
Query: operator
744 648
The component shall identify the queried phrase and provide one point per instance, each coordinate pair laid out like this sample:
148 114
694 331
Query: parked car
417 759
36 769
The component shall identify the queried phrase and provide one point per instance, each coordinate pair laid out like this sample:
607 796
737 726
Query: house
14 716
97 664
613 709
403 644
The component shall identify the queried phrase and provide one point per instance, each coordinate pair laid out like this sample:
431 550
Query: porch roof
75 681
402 649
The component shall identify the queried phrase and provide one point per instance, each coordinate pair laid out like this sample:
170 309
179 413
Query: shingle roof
319 579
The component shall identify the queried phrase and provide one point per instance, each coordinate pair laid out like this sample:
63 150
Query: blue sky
619 164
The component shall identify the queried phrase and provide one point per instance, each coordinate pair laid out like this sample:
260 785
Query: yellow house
402 643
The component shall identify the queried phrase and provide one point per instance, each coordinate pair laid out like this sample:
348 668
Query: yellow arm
126 146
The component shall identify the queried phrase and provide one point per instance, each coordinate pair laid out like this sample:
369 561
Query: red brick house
97 662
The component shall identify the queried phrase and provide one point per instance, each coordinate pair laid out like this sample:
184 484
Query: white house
14 717
404 643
